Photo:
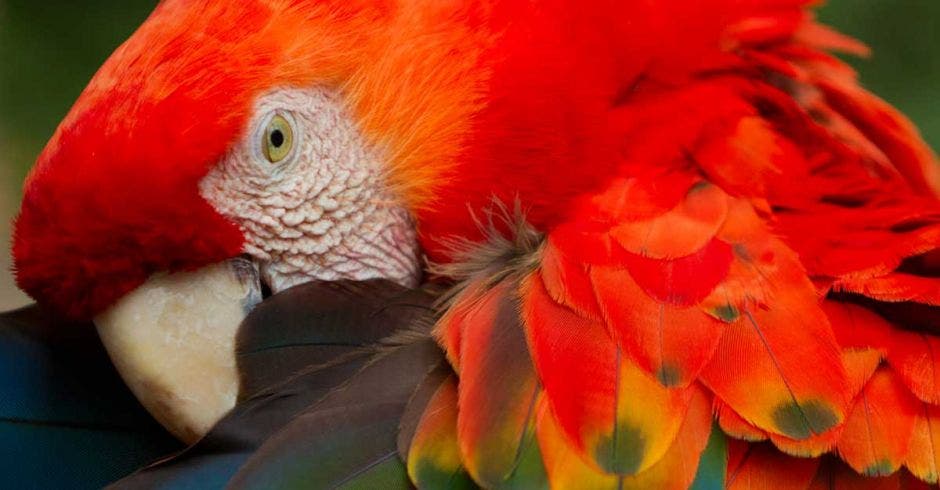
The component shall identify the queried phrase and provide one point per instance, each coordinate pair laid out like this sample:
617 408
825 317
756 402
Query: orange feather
923 456
765 348
856 327
735 426
878 431
860 366
915 357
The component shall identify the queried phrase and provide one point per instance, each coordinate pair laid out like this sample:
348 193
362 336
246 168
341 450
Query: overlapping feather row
758 269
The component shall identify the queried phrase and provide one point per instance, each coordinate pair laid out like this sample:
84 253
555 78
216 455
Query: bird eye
278 139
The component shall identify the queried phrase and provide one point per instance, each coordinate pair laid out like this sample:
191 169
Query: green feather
333 442
387 473
713 464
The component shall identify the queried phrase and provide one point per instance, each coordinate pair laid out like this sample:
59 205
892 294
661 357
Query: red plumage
723 218
807 186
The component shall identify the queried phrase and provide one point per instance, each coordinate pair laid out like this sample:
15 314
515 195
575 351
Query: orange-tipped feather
923 455
735 426
860 365
878 431
915 357
762 348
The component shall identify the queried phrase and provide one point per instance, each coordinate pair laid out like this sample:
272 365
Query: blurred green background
49 49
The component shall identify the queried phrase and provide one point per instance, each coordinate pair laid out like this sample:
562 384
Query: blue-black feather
66 418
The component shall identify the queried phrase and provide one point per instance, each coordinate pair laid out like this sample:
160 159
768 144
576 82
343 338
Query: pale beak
173 341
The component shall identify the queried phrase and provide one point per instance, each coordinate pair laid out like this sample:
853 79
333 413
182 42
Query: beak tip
173 341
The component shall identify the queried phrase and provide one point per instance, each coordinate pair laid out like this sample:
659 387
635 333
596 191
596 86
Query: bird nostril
249 270
265 289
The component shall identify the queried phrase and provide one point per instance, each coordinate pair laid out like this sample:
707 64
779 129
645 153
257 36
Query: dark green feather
422 395
317 323
334 443
295 351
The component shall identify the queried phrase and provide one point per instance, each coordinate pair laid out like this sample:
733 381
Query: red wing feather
761 467
568 282
678 232
894 287
613 413
670 342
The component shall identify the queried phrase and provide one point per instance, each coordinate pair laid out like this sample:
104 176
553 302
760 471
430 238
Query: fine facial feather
323 212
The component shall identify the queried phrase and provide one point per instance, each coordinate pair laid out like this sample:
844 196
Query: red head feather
114 196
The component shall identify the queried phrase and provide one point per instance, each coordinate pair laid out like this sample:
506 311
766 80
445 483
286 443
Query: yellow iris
278 139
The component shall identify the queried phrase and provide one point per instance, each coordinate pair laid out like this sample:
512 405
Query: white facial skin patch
309 194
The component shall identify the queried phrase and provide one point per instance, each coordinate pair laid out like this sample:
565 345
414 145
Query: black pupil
277 138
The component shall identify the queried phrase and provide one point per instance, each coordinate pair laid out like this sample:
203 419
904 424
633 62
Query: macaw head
295 137
284 130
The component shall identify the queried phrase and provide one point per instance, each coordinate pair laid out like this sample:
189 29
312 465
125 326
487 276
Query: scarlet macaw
664 222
